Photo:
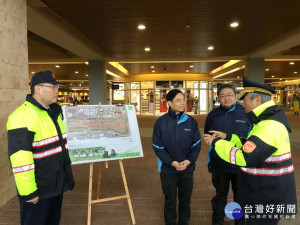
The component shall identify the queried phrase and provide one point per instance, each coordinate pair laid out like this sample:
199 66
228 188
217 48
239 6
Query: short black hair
32 89
228 85
171 94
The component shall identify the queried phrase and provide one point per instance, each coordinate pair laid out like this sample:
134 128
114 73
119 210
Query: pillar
97 82
255 69
13 80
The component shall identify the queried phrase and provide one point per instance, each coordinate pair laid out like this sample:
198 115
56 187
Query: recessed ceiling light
237 77
267 69
292 63
152 67
273 76
141 27
187 71
70 84
234 24
87 63
32 72
210 48
76 72
86 75
280 79
191 66
153 71
57 66
147 49
295 72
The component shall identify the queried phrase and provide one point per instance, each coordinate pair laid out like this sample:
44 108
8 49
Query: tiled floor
144 187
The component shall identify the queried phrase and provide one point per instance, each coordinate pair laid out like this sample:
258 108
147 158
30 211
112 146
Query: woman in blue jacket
177 142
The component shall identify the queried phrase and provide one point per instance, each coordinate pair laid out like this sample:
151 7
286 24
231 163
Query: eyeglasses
52 86
179 100
228 96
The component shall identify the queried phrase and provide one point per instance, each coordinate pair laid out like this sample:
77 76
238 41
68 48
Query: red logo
249 146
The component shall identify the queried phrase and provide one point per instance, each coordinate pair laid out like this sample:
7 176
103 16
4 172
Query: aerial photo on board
101 133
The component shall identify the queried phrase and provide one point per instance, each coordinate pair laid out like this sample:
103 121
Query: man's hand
34 200
209 138
183 165
175 164
217 134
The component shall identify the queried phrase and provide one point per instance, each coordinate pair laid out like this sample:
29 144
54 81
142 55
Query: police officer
266 188
37 148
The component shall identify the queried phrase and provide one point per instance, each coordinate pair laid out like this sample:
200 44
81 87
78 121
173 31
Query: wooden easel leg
127 191
90 195
99 180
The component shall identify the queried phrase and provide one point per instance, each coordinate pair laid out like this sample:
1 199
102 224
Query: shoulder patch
249 146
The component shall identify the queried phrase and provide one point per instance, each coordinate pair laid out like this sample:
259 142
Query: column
255 69
13 80
97 82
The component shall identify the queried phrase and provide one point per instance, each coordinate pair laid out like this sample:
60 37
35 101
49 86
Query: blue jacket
233 121
176 137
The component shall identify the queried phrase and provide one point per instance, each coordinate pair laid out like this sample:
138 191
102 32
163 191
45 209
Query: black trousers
221 181
45 212
171 184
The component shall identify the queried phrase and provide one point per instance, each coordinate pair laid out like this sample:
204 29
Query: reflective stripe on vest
278 158
47 141
268 172
40 155
21 169
233 152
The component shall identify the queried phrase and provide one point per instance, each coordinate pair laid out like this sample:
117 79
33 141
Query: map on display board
102 132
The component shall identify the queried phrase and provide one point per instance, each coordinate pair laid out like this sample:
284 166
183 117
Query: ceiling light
295 72
57 66
76 72
187 71
70 84
187 26
272 76
210 48
32 72
86 75
147 49
267 69
153 71
87 63
191 66
234 24
152 67
280 79
292 63
141 27
237 77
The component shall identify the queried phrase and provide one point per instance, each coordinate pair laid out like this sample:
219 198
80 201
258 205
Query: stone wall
13 80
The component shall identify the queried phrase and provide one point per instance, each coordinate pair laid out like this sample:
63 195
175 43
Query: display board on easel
98 133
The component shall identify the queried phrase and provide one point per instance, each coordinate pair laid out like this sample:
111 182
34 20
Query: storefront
149 97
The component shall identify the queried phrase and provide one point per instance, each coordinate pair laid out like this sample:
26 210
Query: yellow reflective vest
265 160
37 148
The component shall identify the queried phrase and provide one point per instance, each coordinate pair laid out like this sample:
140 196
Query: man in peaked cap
266 180
37 149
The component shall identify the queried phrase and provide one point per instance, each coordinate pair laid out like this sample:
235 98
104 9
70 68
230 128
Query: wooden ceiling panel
111 24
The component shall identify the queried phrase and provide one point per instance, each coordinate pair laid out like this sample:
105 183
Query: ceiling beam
282 43
44 22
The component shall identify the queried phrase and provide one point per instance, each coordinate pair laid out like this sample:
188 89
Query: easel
90 201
